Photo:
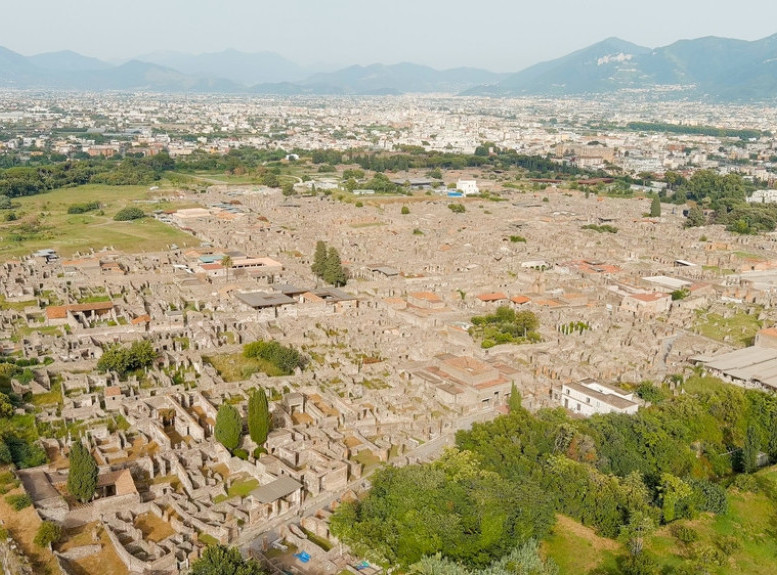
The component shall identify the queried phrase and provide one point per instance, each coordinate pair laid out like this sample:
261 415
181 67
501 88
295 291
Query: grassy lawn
16 306
206 539
739 328
52 397
238 489
153 528
578 549
43 222
235 367
751 519
367 458
106 561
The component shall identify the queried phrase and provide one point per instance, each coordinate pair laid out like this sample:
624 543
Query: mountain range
710 68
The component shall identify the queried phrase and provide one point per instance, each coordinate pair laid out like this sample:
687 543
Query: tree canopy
258 416
222 560
123 360
82 477
229 426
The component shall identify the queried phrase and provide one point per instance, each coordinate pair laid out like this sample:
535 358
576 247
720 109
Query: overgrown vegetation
284 359
621 475
600 228
505 325
124 360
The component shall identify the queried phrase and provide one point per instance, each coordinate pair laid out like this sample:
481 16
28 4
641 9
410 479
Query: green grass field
236 367
740 328
43 222
751 519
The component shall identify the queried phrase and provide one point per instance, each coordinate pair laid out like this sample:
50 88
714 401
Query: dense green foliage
696 217
20 181
619 474
328 266
525 559
18 501
535 166
229 426
222 560
688 129
124 360
83 208
505 325
258 416
82 477
655 207
457 208
48 533
452 506
286 359
129 213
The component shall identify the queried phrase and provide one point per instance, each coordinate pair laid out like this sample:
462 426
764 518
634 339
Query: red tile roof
496 296
60 311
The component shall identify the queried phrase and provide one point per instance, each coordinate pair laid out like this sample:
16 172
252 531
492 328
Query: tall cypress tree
258 416
319 259
229 426
751 450
82 478
655 208
333 269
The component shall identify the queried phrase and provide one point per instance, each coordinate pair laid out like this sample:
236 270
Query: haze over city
500 36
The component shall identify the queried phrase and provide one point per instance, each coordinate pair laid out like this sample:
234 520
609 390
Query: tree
333 269
6 407
637 533
82 477
696 217
48 533
229 426
319 259
226 263
129 213
655 207
515 399
750 450
123 360
222 560
258 416
288 189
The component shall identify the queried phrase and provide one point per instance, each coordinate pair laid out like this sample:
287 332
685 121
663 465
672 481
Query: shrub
729 544
405 210
457 208
19 501
48 533
241 454
685 534
129 213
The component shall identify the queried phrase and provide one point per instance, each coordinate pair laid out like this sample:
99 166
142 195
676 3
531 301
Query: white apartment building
588 397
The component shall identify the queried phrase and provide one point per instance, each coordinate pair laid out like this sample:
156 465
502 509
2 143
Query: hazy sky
501 35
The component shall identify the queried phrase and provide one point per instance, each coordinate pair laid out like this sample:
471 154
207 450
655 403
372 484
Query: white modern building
468 187
588 397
